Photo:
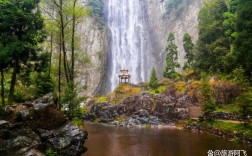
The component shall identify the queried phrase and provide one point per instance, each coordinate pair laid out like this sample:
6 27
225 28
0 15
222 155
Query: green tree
4 63
153 82
70 101
188 47
21 21
244 102
63 17
243 46
171 59
208 107
213 47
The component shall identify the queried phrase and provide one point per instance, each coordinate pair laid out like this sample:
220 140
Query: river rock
142 117
31 128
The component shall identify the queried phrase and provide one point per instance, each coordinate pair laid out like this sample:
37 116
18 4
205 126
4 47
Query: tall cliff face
178 16
131 34
91 43
92 60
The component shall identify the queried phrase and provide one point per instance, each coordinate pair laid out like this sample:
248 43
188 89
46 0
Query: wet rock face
94 42
67 140
31 128
17 140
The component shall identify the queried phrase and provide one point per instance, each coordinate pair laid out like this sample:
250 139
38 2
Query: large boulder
17 140
105 112
33 127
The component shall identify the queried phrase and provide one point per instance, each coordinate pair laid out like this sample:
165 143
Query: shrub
153 82
78 122
51 152
208 106
70 101
244 102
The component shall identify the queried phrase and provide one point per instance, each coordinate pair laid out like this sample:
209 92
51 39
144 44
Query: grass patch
239 127
180 87
147 126
101 99
78 122
236 140
97 120
51 152
121 92
84 110
229 108
160 89
228 126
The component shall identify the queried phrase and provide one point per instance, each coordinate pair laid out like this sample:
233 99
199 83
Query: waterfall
129 48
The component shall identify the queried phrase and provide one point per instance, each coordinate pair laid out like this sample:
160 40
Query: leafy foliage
213 47
43 85
51 152
225 31
78 122
21 32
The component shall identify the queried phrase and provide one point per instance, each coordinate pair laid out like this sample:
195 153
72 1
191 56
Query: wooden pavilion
124 76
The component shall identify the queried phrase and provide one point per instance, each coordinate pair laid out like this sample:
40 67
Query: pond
106 140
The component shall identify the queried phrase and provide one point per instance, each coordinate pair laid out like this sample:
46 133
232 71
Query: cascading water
129 48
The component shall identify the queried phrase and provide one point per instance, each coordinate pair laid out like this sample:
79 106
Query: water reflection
107 140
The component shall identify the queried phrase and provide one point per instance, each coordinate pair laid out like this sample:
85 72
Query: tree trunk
73 41
13 82
59 75
2 87
63 41
51 51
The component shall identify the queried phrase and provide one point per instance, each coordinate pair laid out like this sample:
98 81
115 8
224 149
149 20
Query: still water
105 140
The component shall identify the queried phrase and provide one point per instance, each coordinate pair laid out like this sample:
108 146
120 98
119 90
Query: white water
129 42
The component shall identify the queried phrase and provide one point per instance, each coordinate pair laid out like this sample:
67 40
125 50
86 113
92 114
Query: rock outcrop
32 128
140 109
179 101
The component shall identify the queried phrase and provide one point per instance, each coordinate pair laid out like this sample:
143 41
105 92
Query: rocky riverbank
230 135
32 128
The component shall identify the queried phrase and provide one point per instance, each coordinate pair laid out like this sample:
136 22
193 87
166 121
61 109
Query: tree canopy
21 32
188 47
153 82
171 58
